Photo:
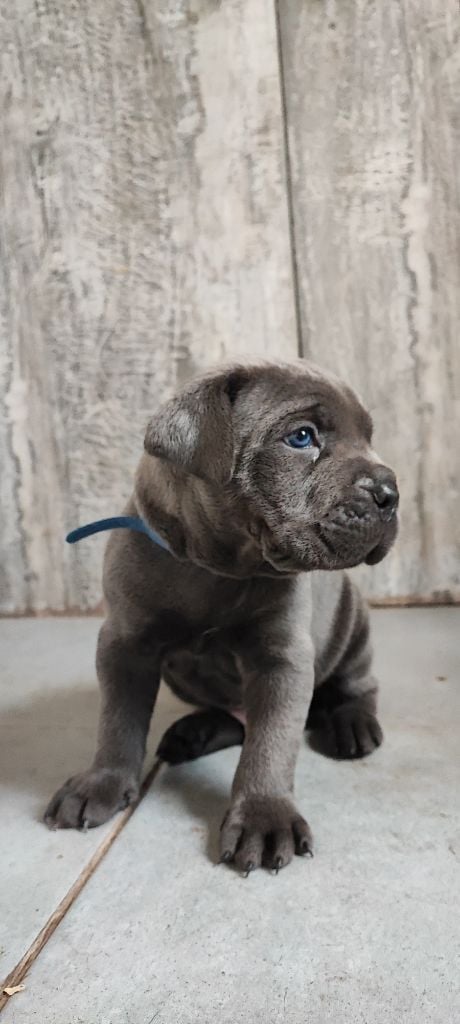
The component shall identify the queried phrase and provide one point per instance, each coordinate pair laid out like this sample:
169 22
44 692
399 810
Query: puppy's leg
263 824
202 732
343 709
129 682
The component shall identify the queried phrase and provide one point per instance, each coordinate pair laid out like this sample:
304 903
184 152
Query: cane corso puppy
264 484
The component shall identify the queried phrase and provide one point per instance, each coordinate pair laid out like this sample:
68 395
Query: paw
263 831
186 739
91 798
200 733
355 732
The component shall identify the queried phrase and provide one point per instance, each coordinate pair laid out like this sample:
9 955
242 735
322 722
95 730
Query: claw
248 868
278 864
226 857
305 849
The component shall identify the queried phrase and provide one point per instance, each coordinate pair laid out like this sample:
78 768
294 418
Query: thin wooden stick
17 975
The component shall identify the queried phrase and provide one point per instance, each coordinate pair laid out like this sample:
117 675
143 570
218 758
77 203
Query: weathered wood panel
373 105
144 233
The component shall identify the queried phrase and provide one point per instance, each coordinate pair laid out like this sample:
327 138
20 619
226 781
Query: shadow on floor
47 738
52 735
194 792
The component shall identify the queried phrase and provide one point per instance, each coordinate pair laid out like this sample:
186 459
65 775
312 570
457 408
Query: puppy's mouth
352 535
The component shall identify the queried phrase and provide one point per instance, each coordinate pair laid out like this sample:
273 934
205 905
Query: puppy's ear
194 429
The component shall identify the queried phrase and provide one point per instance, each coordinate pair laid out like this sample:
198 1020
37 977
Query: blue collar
116 523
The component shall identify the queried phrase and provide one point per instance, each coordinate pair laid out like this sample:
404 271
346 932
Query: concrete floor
368 931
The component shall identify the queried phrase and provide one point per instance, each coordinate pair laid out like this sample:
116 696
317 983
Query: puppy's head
295 445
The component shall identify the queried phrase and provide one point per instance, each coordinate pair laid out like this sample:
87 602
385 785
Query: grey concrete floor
368 931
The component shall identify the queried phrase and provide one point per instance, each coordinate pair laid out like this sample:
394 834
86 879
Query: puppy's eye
304 437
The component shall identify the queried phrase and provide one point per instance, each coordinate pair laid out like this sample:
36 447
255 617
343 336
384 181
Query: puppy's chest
172 630
222 616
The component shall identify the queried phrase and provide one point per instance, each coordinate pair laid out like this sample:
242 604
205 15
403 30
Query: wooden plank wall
185 181
144 233
372 94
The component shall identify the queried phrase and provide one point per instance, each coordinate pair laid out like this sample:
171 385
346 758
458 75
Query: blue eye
304 437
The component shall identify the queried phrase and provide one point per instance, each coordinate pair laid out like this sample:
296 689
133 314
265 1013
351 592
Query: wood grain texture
372 93
144 234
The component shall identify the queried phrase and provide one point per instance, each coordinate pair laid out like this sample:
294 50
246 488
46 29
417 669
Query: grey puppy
257 477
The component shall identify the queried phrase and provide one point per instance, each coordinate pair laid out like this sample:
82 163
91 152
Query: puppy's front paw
355 732
263 831
91 798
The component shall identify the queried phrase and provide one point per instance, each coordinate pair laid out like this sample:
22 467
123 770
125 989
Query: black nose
383 488
385 495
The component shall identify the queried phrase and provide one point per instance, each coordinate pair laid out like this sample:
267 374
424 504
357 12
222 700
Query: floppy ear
194 429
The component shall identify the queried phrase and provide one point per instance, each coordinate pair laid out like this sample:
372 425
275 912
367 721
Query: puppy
263 482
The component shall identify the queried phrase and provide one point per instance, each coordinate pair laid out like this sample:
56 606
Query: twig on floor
17 975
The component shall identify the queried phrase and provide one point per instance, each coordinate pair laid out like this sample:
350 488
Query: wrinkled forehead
279 391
